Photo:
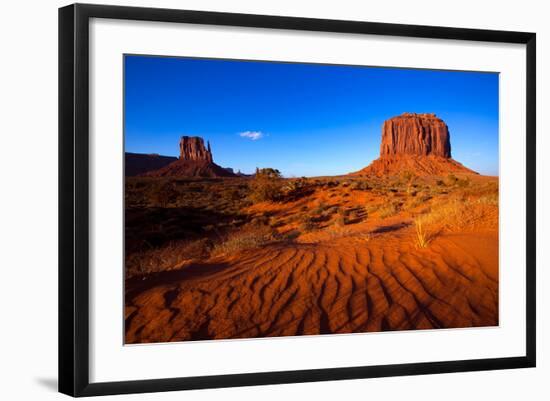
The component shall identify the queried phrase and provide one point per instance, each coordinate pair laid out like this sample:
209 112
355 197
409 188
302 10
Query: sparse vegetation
451 180
390 209
246 239
307 224
341 218
424 230
267 185
169 257
172 222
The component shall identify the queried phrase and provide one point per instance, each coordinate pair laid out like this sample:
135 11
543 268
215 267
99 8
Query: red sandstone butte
415 134
192 148
195 161
419 143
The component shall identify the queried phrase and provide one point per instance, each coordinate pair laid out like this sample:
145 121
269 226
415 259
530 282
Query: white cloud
252 135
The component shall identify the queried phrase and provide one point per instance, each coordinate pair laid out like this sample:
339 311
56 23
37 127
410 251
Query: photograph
273 198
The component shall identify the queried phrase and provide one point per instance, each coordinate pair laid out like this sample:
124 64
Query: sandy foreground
363 277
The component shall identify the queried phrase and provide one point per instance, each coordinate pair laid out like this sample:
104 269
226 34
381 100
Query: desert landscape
408 242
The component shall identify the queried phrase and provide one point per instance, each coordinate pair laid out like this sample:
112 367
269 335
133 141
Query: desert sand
367 275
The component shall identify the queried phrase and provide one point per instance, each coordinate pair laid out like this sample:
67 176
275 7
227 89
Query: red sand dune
342 286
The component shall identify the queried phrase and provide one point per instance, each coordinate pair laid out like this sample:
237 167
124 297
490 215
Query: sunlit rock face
415 134
192 148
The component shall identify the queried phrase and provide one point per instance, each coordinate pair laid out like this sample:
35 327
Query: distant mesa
419 143
139 163
195 161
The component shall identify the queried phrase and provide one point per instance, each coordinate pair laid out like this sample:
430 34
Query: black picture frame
74 198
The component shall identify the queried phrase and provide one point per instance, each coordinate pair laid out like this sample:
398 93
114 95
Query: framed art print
250 199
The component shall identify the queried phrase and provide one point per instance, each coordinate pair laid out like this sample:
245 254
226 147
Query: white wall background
28 199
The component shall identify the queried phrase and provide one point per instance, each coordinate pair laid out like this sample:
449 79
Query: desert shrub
390 209
166 258
231 194
163 194
261 220
319 210
463 183
372 208
409 179
360 185
290 236
425 198
451 179
341 218
253 237
297 188
294 185
414 203
274 222
307 224
266 185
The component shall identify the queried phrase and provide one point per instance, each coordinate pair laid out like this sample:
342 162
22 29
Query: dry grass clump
337 231
490 199
252 237
469 208
418 200
320 208
451 180
478 191
457 215
360 185
390 209
425 230
372 208
169 257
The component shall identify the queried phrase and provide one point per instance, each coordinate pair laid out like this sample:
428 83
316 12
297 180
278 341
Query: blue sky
303 119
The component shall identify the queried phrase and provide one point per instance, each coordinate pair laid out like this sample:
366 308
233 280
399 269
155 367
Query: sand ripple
344 286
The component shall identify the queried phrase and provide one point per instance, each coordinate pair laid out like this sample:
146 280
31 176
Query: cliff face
415 134
418 143
192 148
